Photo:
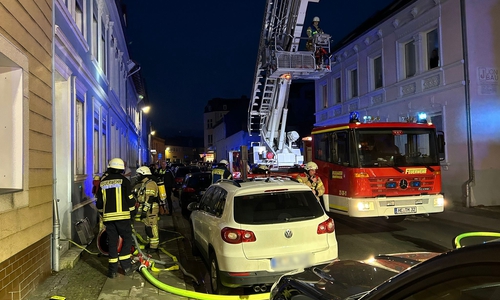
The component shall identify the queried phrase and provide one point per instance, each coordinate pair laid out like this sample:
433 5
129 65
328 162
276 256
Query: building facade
436 56
26 119
73 102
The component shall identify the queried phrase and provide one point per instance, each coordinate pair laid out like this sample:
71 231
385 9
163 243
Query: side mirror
193 206
441 143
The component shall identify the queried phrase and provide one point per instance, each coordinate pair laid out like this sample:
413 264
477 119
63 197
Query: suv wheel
215 281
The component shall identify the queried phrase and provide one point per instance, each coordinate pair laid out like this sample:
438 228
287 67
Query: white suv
253 232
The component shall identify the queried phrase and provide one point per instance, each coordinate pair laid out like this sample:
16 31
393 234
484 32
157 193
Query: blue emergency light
422 118
354 117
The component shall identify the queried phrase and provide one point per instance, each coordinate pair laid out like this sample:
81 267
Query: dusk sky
193 51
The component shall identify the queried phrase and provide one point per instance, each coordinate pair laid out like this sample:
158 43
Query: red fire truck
379 169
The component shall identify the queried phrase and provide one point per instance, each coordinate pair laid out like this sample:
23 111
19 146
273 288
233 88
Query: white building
97 100
437 56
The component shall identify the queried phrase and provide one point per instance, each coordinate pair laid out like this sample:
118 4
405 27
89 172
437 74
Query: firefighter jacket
220 173
114 198
313 30
317 186
146 191
167 176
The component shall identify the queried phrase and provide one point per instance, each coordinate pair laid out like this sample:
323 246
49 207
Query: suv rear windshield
279 207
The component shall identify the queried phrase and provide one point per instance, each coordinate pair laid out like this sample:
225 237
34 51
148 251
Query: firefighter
166 175
313 181
146 193
116 205
311 32
221 172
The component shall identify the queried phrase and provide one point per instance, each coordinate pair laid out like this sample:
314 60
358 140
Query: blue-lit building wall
97 115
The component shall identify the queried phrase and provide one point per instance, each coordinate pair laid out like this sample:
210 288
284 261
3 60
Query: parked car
252 232
468 273
181 172
193 187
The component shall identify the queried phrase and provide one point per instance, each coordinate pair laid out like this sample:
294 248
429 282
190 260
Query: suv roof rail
274 178
234 182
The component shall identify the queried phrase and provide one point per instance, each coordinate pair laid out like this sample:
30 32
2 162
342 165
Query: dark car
192 189
181 172
467 273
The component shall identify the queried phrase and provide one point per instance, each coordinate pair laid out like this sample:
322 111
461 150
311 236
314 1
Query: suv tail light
237 236
326 227
189 189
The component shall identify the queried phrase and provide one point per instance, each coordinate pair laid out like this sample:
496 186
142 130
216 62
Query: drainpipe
470 156
56 246
56 230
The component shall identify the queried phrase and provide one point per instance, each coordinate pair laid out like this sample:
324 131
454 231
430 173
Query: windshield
396 147
279 207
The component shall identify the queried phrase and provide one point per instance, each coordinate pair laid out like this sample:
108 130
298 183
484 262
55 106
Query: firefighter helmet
225 162
143 171
316 19
311 166
116 163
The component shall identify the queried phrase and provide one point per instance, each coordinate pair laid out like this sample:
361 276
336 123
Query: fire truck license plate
405 210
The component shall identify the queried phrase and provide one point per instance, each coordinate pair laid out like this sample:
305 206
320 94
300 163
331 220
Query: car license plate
291 262
405 210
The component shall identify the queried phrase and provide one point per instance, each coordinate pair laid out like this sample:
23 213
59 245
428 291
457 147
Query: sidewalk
487 218
85 274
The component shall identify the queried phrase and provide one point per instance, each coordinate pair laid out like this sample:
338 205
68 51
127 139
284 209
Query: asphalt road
358 238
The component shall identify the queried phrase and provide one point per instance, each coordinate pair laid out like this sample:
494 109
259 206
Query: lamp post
143 149
151 151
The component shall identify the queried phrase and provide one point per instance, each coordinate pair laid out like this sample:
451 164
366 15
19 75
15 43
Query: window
353 83
209 123
332 147
410 62
79 14
79 137
210 139
224 107
432 39
338 90
11 118
104 152
103 52
96 142
324 95
377 72
95 33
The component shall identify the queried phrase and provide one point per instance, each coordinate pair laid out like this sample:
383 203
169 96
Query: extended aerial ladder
278 62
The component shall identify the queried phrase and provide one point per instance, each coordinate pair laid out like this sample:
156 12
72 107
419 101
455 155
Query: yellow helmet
116 163
311 166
